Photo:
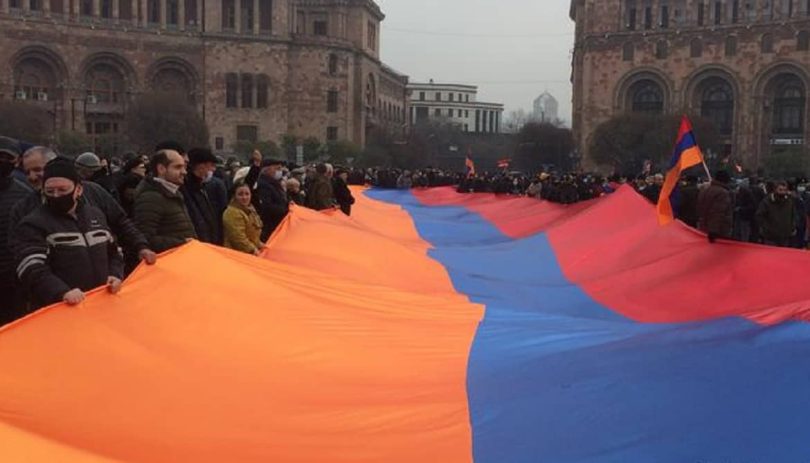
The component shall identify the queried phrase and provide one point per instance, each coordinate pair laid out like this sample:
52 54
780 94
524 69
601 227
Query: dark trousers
12 304
346 208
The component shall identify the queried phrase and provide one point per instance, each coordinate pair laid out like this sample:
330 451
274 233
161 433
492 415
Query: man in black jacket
65 248
135 245
270 199
205 214
343 195
11 192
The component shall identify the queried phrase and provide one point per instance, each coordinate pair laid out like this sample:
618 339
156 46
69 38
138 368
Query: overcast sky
512 49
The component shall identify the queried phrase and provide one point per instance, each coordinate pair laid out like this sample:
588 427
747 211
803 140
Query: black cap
10 146
63 168
272 162
200 156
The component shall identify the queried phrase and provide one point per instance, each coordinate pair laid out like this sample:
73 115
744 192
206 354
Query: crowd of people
69 225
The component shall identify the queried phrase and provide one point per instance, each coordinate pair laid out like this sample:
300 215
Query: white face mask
278 175
208 177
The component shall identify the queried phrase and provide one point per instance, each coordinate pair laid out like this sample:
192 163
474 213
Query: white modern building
546 108
455 104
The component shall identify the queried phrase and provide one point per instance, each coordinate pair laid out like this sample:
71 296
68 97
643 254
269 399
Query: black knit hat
63 168
10 146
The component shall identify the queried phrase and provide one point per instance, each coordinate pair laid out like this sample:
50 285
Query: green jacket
776 219
161 215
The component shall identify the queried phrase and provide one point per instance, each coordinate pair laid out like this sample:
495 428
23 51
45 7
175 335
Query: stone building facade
256 69
455 104
744 65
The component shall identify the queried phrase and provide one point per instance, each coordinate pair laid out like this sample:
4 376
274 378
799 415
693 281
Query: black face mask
61 205
6 168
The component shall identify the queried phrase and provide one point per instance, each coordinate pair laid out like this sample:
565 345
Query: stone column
116 7
96 8
163 14
46 8
181 14
144 14
237 17
4 6
76 7
26 5
256 17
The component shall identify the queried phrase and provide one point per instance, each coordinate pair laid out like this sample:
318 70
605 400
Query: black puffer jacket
11 192
123 227
57 253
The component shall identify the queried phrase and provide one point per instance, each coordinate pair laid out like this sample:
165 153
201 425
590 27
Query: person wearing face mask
242 224
11 193
270 199
204 213
65 248
776 217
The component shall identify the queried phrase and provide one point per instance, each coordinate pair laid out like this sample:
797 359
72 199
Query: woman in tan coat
241 222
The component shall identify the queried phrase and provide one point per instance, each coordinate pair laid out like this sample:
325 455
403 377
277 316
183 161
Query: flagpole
706 167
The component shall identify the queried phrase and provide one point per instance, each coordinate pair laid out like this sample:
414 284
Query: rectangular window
332 101
648 17
86 7
106 8
248 133
172 12
319 27
331 133
228 15
468 99
664 17
219 143
438 96
437 112
231 87
247 90
735 11
246 17
191 13
266 15
631 21
701 18
452 97
718 13
421 96
466 113
449 113
124 9
372 36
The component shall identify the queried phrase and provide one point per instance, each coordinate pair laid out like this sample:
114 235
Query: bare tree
515 121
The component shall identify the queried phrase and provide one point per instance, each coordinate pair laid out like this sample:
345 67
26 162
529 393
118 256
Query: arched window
262 85
333 64
105 83
717 104
731 45
696 48
628 51
803 41
789 107
35 79
231 89
247 91
646 96
661 49
767 43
